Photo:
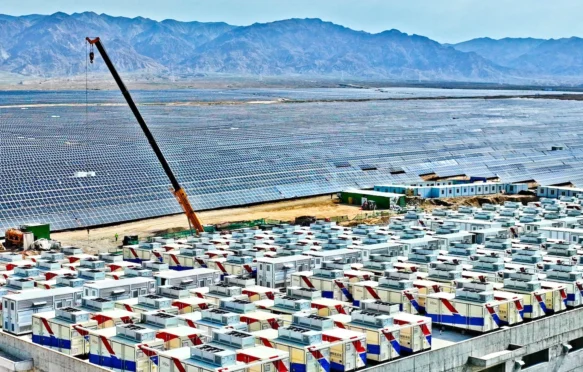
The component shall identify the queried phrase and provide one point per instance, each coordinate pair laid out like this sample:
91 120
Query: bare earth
102 239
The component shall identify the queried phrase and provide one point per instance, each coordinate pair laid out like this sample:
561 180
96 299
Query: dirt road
102 239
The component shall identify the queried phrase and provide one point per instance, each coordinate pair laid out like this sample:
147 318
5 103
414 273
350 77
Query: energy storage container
465 309
112 318
364 290
188 319
264 359
91 274
378 267
217 263
95 304
535 297
92 263
257 293
340 320
182 260
350 353
397 287
17 285
191 304
75 258
195 278
59 330
511 307
217 319
70 281
556 300
306 350
120 289
382 335
425 288
176 337
331 282
119 266
203 358
52 274
287 306
237 306
220 291
155 266
445 273
407 267
415 332
241 265
142 252
17 309
242 281
147 303
258 320
355 276
46 284
328 306
121 348
568 276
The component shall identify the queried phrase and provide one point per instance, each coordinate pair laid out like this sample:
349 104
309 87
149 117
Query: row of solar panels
233 155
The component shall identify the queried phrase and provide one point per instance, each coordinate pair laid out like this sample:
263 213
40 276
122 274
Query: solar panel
73 174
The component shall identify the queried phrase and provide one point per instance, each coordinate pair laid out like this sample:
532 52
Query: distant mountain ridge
53 46
560 58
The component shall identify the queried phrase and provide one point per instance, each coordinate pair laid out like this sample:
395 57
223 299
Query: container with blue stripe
397 287
571 278
120 348
56 329
471 307
529 286
307 351
382 334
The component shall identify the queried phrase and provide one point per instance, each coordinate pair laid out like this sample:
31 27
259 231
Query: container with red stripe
350 353
59 333
364 290
176 337
191 304
122 348
258 320
444 308
415 335
256 293
327 306
264 359
111 318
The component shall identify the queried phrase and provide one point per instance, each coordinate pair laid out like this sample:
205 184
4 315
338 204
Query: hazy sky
442 20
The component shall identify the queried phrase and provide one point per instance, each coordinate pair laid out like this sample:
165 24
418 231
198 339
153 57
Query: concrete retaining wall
502 349
45 360
548 333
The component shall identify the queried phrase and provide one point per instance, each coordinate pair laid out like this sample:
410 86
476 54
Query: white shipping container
444 308
382 344
415 335
349 355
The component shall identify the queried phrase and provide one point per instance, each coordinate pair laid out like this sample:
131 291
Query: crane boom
178 191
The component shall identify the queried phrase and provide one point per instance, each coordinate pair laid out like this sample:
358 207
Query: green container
40 231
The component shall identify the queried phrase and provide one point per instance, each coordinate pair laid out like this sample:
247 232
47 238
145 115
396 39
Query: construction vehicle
178 191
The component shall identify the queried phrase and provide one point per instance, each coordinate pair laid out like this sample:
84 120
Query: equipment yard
445 246
103 239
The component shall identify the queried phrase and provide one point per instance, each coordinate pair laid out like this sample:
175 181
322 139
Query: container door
512 313
349 356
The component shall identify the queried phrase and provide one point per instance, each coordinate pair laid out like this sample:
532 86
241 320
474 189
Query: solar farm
73 166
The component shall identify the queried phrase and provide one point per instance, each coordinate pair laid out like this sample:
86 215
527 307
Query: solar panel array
228 155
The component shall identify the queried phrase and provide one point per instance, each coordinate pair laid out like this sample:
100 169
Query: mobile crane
178 191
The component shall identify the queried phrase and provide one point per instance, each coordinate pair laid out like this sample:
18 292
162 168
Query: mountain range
54 46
